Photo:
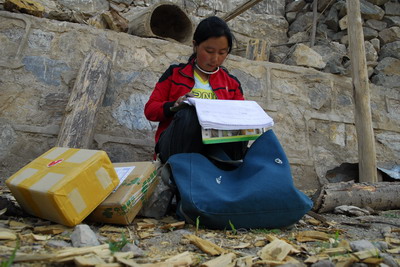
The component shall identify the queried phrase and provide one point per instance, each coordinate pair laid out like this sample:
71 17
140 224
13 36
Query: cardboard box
64 185
125 202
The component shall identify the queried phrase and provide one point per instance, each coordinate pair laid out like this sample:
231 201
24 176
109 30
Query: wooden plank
115 21
257 50
314 24
87 95
239 10
363 118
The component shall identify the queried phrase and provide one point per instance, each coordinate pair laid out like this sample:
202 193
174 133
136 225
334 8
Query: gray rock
378 2
261 26
381 245
370 53
389 35
332 19
323 263
391 81
388 66
335 67
324 5
376 43
338 36
319 96
58 243
376 24
390 50
386 231
158 204
370 69
126 2
7 137
306 56
343 23
331 50
387 138
360 245
371 11
91 7
46 69
341 6
279 53
83 236
273 7
370 33
291 16
323 32
392 20
299 37
344 40
295 6
182 232
389 260
249 81
392 9
301 24
131 247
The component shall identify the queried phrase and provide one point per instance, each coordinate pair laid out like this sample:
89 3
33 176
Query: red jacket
178 80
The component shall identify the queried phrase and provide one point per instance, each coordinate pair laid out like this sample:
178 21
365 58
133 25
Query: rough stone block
371 11
392 9
305 56
389 35
388 66
25 6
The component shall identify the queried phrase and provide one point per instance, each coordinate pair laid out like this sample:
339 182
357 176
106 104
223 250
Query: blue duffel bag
259 193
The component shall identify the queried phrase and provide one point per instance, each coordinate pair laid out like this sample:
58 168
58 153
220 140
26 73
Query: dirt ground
316 239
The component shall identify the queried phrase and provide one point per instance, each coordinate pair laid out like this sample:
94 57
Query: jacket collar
187 70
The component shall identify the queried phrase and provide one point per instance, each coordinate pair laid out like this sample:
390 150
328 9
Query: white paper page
230 114
122 173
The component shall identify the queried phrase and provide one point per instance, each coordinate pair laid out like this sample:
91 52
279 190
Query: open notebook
230 120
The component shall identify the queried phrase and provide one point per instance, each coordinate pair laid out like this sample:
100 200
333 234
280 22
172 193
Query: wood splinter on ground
205 245
277 250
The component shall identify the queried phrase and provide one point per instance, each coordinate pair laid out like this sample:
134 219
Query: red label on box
53 163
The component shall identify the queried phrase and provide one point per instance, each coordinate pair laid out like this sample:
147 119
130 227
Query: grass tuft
234 231
116 246
10 260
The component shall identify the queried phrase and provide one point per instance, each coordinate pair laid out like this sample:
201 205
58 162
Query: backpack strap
220 159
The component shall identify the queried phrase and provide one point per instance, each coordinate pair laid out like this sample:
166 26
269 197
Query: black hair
212 27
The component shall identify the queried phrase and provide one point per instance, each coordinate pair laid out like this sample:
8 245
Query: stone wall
381 28
40 59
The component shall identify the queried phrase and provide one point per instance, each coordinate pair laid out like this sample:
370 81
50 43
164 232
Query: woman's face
211 53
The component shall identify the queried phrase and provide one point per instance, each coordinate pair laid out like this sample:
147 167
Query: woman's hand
181 99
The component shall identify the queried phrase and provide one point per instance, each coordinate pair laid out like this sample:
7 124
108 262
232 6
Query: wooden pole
363 118
240 9
77 128
314 25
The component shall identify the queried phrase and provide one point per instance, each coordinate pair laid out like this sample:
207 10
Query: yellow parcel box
64 185
139 180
